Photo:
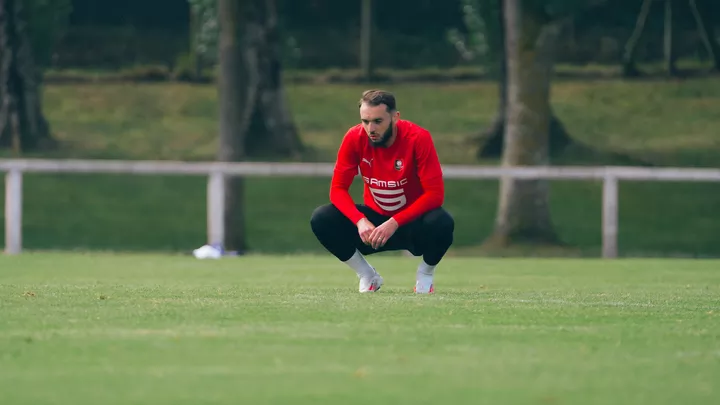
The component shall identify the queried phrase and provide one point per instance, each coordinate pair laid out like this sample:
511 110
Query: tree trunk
704 24
491 140
254 115
22 125
238 85
668 48
523 214
366 24
628 60
196 62
272 130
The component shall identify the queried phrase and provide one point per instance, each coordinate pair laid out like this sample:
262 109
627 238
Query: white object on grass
208 252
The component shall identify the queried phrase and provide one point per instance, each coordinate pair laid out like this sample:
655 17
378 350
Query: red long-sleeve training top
402 181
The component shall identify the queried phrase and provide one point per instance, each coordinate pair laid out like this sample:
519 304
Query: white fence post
216 208
610 217
13 212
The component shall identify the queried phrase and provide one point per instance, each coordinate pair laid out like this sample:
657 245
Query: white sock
425 269
358 263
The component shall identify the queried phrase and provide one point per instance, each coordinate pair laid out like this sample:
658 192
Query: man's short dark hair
378 97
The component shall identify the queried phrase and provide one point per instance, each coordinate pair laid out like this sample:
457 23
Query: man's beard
384 138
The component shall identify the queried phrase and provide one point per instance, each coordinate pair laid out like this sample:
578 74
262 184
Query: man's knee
440 223
324 216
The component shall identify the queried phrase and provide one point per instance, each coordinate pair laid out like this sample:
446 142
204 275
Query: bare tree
704 27
22 125
254 115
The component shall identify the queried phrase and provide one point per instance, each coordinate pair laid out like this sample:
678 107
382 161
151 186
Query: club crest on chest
398 164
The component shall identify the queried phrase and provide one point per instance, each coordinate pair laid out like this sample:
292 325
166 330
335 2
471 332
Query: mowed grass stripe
118 329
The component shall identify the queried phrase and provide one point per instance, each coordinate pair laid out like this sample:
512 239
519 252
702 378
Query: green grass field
121 329
664 122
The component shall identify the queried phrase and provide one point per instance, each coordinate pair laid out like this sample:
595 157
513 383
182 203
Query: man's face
378 123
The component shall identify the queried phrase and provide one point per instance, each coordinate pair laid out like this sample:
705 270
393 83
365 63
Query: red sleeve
431 179
346 168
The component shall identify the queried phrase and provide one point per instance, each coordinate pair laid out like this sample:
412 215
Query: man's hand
365 229
381 234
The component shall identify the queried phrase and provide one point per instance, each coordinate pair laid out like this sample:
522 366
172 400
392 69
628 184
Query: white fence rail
610 175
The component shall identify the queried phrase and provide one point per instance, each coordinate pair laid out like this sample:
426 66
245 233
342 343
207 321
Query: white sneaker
424 284
370 284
